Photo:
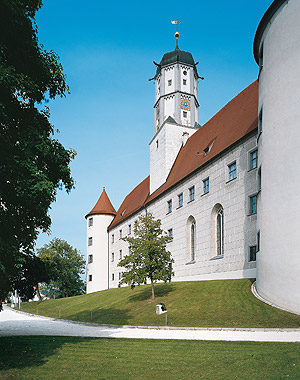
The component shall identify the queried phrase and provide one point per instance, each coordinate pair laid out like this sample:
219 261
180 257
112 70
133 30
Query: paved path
14 323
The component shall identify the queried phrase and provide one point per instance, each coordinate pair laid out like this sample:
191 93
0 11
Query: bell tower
176 110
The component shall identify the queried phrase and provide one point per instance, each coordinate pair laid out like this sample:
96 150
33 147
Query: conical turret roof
103 206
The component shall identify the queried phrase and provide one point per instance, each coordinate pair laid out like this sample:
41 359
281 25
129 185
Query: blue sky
107 51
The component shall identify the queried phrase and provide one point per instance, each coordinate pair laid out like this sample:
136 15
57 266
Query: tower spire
176 22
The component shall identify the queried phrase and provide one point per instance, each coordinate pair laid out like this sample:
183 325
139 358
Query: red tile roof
233 122
103 206
133 202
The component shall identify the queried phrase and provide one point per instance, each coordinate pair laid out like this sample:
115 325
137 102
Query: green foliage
33 164
65 264
148 257
33 271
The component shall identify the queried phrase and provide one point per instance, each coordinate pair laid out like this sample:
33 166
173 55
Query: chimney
185 137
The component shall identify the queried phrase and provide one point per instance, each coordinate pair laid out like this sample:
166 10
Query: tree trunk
38 293
152 287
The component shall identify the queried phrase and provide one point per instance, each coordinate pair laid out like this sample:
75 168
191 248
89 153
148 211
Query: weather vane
176 22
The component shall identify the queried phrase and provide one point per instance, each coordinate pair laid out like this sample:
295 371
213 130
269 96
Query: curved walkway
15 323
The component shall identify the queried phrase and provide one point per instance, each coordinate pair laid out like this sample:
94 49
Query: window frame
232 174
170 206
91 222
250 260
205 185
251 159
90 277
90 241
192 193
251 204
180 200
90 258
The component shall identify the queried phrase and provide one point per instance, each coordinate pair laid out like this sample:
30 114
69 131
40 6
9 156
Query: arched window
220 233
217 231
191 239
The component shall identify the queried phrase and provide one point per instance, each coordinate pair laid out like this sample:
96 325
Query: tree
65 265
33 164
148 257
33 271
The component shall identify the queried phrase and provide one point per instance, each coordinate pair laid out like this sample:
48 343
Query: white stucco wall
168 97
240 227
164 148
99 249
278 277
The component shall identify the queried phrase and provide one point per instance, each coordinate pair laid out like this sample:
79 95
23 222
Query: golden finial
176 22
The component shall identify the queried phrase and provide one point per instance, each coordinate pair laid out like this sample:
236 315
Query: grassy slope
60 358
228 303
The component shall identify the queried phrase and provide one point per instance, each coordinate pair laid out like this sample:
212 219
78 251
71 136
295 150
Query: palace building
228 191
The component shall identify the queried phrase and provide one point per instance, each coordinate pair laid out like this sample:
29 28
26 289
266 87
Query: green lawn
59 358
228 303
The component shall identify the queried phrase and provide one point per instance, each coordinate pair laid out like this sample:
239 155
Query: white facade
164 148
278 278
97 252
228 211
176 113
240 231
174 84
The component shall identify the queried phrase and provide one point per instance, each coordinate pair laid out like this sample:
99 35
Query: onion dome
176 56
103 206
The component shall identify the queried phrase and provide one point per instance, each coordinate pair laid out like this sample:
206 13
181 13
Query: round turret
276 49
98 220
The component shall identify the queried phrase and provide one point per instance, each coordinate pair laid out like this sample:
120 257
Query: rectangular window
232 171
169 206
90 259
260 117
192 193
258 241
112 257
120 275
253 205
184 114
90 222
252 253
259 179
206 186
253 159
169 82
184 82
90 241
120 234
170 233
113 277
180 200
120 254
112 238
90 277
129 229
